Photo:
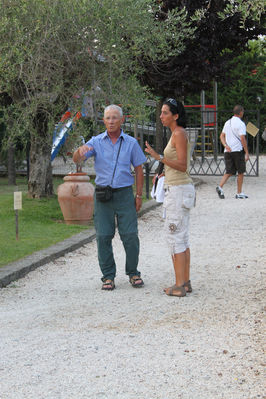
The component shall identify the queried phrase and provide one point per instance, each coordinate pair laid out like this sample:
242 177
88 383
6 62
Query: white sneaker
241 196
220 192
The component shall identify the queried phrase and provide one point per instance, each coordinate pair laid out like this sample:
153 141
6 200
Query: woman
179 193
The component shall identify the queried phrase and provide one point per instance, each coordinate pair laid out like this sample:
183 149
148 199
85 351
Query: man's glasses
172 101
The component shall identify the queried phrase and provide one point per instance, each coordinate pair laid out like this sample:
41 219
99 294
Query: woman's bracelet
138 196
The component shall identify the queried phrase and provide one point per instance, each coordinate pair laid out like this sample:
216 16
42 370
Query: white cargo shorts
177 203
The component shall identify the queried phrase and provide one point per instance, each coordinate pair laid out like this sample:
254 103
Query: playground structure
202 129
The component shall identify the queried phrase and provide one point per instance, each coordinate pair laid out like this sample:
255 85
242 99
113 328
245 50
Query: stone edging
16 270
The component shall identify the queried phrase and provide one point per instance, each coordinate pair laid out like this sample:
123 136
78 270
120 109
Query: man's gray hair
237 109
116 107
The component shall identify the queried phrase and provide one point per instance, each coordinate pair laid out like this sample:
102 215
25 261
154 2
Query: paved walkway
64 338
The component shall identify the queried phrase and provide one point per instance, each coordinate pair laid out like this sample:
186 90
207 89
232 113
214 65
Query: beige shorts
178 201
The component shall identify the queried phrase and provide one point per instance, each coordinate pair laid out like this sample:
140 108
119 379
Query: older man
114 153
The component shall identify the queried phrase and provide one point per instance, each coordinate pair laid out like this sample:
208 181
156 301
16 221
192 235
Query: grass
40 222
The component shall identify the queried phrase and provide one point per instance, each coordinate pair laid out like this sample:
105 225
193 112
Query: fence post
258 142
215 118
147 179
202 103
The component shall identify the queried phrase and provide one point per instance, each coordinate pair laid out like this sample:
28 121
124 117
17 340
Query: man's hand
139 186
84 149
245 146
79 154
223 141
138 203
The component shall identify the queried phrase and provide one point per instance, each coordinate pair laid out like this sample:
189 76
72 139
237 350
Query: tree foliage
246 86
222 30
51 49
119 51
246 76
247 79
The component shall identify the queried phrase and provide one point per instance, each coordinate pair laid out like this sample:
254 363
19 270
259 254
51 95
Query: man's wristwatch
161 157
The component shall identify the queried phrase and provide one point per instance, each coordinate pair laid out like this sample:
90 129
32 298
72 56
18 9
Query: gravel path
64 338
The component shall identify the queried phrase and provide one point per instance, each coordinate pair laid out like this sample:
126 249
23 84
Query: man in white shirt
233 138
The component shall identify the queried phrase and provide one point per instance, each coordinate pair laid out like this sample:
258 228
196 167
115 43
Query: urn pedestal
75 197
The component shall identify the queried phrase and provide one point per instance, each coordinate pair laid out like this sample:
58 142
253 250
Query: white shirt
233 129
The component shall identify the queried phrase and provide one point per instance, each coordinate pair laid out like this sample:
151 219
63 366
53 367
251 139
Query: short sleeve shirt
233 129
105 155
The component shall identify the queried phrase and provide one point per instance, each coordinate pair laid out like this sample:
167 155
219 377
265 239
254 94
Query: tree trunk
159 129
40 182
11 167
28 159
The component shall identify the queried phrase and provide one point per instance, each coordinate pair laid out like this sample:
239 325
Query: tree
52 48
246 76
33 73
6 101
222 31
247 83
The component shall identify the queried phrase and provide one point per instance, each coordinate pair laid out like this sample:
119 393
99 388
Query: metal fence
204 128
207 154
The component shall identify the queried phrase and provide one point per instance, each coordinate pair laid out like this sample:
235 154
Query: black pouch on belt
103 193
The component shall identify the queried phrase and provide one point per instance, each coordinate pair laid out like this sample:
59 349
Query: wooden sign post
17 206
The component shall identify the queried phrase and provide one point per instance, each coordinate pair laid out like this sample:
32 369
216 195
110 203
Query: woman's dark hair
176 107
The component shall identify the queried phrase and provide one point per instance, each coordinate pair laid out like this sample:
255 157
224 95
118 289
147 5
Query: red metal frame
206 107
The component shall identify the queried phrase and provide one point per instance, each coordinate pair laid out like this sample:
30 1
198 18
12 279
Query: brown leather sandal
181 291
108 285
187 285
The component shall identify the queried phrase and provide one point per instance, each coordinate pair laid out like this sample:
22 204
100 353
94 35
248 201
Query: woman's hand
151 151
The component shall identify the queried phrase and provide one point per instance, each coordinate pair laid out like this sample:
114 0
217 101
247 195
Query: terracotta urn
75 197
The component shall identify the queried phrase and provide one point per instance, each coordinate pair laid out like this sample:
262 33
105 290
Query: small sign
17 200
252 129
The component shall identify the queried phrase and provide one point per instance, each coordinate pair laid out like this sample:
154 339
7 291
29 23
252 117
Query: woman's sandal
108 285
187 285
171 291
136 281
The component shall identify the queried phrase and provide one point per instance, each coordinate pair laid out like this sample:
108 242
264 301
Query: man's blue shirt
105 154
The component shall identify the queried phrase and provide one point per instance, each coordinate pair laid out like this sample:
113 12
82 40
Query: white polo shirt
233 129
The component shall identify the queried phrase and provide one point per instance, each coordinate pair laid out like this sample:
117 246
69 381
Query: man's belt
120 188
